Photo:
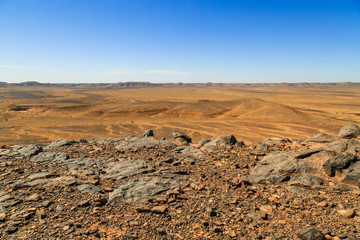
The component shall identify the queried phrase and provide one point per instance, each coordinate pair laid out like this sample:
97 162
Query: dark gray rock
321 138
180 136
126 168
306 180
89 188
49 156
338 163
25 150
219 141
351 175
349 131
140 190
60 143
84 203
285 162
148 133
310 233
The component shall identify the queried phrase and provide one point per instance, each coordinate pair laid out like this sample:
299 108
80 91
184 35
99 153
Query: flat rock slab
126 168
89 188
321 138
44 157
60 143
25 151
129 143
140 190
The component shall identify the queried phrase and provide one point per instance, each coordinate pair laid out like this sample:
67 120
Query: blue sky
180 40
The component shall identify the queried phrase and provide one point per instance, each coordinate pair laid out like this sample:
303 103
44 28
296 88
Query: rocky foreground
144 188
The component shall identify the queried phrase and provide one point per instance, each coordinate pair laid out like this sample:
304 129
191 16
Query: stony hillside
145 188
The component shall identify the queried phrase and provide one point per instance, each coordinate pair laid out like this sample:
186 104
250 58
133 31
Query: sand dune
252 113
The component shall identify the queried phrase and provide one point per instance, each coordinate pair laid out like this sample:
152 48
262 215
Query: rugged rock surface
144 188
349 131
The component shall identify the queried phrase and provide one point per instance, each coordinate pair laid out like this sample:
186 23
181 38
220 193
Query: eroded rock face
60 143
180 137
128 143
25 151
321 138
218 142
45 157
338 163
349 131
126 168
139 190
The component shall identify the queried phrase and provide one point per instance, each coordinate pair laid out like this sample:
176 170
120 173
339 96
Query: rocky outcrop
349 131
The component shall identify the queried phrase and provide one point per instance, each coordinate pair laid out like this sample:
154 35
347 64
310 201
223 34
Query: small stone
232 233
100 202
134 223
108 189
84 203
266 208
59 208
142 209
263 215
11 230
34 197
310 233
161 231
41 213
211 212
347 213
2 217
46 203
159 209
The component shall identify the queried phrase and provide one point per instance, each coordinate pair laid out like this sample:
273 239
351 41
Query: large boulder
220 141
321 138
180 137
351 175
349 131
148 133
338 163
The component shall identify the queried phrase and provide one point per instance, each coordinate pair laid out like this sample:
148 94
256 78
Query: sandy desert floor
250 113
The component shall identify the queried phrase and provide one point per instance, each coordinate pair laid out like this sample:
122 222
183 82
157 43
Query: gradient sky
179 40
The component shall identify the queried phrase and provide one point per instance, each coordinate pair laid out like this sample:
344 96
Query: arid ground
251 113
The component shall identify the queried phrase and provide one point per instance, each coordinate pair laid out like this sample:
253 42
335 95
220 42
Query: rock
180 137
44 157
126 168
139 190
310 233
46 203
161 231
219 141
25 150
338 163
33 197
6 197
254 216
189 150
60 143
84 203
40 175
11 229
347 213
148 133
82 140
351 175
321 138
306 180
89 188
211 211
349 131
159 209
3 217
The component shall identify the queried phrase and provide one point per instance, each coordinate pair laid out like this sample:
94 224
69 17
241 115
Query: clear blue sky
180 40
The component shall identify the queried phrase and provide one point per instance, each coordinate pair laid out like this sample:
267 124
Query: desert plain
251 112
